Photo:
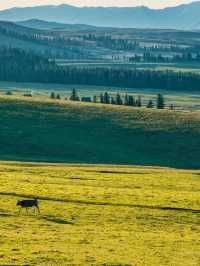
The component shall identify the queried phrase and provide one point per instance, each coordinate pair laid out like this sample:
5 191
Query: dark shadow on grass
117 172
79 178
4 215
48 218
112 204
56 220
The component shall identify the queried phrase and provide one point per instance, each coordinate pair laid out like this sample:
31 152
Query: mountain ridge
185 16
50 25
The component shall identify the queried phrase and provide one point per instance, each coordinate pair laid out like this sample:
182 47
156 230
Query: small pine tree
131 101
112 100
74 96
101 98
58 96
94 99
106 98
160 101
53 96
139 102
150 104
119 99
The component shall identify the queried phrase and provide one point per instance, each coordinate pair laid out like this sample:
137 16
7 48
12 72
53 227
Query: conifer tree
119 99
139 102
101 98
113 100
58 96
106 98
131 101
94 99
160 101
150 104
53 96
74 96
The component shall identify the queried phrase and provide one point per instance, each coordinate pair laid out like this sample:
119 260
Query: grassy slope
100 215
34 129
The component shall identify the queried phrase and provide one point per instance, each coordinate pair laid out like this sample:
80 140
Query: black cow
28 204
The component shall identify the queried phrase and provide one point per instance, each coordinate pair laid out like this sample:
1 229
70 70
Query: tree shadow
57 220
5 215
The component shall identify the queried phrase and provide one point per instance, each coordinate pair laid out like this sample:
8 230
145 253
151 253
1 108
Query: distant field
184 100
182 67
99 215
40 129
110 64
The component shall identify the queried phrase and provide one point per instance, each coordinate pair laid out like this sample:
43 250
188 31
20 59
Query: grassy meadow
98 209
39 129
99 215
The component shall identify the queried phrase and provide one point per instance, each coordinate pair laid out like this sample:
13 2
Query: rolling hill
14 35
39 41
45 130
46 25
180 17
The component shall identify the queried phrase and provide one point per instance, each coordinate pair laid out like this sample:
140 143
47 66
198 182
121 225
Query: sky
150 3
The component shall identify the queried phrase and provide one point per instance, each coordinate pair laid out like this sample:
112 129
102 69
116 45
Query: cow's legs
20 208
38 208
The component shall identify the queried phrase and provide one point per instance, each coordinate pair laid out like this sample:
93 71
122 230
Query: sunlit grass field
99 215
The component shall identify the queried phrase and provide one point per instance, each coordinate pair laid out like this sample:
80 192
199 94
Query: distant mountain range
181 17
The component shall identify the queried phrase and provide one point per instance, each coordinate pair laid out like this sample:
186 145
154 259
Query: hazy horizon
120 3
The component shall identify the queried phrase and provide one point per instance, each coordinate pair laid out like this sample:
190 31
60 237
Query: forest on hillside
25 66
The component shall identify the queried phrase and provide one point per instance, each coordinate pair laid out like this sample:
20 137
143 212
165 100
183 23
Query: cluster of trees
152 58
113 41
127 100
23 66
106 98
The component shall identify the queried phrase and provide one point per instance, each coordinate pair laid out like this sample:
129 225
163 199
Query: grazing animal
28 204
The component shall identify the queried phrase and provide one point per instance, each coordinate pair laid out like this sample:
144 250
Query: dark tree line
106 98
23 66
134 44
152 58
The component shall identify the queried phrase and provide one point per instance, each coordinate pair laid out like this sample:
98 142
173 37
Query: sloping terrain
39 41
46 25
64 131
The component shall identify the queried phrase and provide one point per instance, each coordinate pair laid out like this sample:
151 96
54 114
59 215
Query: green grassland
99 215
39 129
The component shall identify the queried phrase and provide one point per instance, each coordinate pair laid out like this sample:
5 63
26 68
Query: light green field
100 215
